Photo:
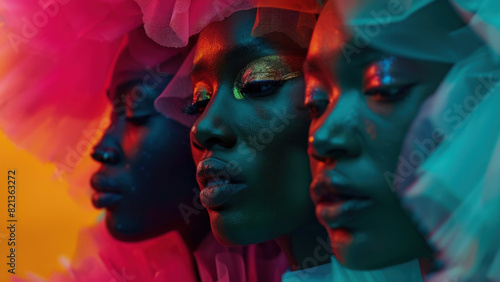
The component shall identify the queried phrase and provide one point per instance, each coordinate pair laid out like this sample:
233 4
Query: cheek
151 144
383 137
379 108
386 127
196 154
278 136
278 120
132 142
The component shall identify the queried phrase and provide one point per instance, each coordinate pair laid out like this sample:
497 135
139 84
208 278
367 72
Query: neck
196 232
194 235
306 247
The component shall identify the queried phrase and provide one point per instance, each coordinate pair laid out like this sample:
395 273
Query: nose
107 150
335 137
214 128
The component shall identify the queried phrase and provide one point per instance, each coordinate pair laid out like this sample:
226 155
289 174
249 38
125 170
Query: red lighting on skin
371 71
335 94
340 239
373 83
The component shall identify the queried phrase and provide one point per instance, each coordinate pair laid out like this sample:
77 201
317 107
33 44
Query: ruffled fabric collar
252 263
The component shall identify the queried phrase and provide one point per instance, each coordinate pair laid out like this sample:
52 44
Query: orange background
49 219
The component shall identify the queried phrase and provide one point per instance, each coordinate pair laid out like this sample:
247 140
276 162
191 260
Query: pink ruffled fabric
252 263
58 68
101 258
171 23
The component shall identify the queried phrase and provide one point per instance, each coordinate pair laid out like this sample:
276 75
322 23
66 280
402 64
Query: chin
353 250
359 251
127 230
233 230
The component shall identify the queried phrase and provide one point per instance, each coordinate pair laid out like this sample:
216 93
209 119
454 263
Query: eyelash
139 120
261 88
317 107
272 87
389 94
196 107
317 97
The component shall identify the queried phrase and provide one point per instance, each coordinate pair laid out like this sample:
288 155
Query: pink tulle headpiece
171 23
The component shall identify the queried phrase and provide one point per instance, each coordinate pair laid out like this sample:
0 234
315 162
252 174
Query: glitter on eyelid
384 74
380 73
201 92
237 93
276 68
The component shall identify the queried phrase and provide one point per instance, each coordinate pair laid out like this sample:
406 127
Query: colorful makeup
316 100
389 79
260 78
263 76
202 93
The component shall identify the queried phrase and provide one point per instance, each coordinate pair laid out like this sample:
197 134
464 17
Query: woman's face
146 167
362 105
250 140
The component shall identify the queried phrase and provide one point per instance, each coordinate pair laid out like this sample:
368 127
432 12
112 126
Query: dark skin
146 171
248 92
362 107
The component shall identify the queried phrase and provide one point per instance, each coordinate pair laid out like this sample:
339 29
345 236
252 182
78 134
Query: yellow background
48 218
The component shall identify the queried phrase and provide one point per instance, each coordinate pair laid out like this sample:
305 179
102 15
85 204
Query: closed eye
259 88
139 120
317 107
196 107
389 93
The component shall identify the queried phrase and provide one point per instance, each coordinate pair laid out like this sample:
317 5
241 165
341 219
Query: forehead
231 40
328 39
232 31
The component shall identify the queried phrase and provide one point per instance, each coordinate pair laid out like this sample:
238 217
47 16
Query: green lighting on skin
237 93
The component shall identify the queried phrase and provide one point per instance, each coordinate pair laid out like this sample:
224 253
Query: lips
217 182
338 204
106 193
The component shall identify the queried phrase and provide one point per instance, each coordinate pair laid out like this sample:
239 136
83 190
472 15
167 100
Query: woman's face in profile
250 140
362 106
146 171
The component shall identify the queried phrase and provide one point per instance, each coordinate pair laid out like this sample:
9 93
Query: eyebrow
122 87
256 46
361 59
